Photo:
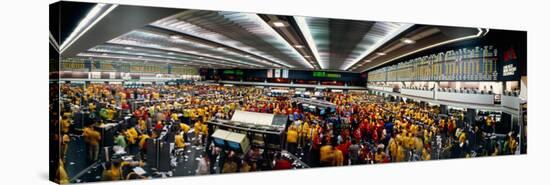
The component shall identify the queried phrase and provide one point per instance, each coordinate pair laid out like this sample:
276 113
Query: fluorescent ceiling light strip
54 47
378 43
73 36
304 28
144 59
194 44
196 31
187 28
83 23
157 56
480 31
486 31
156 46
54 42
265 26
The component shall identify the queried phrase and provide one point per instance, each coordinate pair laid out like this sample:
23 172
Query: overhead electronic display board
465 64
323 74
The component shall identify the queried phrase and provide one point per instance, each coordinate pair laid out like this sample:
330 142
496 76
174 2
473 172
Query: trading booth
251 129
262 130
319 107
231 140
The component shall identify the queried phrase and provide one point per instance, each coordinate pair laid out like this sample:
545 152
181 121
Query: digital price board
323 74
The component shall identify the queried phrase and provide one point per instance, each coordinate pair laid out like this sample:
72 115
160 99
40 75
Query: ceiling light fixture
381 53
279 24
299 46
392 29
172 50
304 28
174 24
128 48
87 23
407 41
175 36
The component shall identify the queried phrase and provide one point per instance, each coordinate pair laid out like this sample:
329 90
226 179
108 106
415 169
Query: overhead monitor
219 137
238 142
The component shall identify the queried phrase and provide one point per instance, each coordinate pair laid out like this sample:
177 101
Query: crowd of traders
367 129
363 129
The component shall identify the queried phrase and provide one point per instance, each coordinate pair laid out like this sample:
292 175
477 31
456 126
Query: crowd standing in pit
364 129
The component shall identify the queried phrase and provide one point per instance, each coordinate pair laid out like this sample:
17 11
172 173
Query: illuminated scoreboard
465 64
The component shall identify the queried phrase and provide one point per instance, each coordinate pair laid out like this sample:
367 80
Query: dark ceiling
221 39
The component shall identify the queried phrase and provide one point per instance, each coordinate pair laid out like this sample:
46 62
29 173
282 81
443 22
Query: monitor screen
322 112
234 145
219 142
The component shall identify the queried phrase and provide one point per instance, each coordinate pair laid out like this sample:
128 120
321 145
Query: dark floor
75 159
91 172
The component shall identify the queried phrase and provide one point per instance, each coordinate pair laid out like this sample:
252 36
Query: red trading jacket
138 113
158 127
125 106
316 142
145 114
357 134
282 164
375 136
344 147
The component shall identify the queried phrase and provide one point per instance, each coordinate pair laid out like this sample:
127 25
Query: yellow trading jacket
180 141
291 136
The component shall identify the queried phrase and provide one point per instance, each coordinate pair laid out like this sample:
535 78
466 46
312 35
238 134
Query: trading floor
124 127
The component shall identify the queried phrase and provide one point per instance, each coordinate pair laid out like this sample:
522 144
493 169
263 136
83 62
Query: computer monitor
219 137
237 142
219 142
322 112
234 146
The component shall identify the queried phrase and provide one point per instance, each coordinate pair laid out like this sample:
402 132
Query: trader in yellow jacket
185 128
114 171
92 138
303 132
131 135
400 152
380 155
142 125
201 129
64 144
180 141
392 148
142 141
512 144
65 123
61 176
326 155
291 139
204 130
338 158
